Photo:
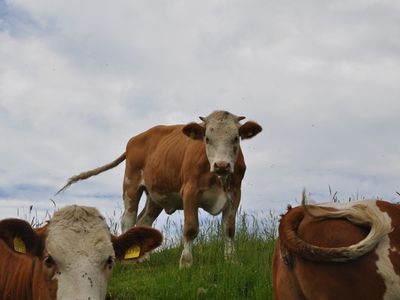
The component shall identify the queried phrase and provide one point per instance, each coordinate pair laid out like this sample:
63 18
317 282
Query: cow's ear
249 129
20 237
194 131
136 242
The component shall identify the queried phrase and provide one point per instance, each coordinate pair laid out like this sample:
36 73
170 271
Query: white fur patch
80 244
214 200
222 138
127 181
128 219
170 202
186 256
386 269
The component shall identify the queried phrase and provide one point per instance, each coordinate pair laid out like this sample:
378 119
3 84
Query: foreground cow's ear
194 131
136 242
249 129
20 237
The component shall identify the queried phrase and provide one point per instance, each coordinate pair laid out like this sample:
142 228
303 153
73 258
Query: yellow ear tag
192 135
19 245
132 252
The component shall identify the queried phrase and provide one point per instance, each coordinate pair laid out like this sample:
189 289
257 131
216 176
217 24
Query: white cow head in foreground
77 251
221 132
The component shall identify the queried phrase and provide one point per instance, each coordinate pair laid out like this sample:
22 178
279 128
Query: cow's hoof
144 258
186 261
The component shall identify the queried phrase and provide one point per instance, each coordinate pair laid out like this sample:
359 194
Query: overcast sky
79 78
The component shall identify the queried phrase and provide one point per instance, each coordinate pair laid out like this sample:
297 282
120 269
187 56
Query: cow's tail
360 214
90 173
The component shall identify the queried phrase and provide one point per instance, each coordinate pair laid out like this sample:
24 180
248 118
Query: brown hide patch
43 287
146 238
331 233
284 281
194 131
357 279
11 228
249 129
22 275
394 256
332 280
15 274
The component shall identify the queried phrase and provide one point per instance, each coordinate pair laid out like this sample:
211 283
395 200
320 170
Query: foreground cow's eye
49 262
236 140
110 262
207 140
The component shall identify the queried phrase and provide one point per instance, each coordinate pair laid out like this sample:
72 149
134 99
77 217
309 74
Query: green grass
248 276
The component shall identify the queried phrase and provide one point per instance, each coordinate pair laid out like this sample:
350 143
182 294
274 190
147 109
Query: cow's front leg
229 223
190 228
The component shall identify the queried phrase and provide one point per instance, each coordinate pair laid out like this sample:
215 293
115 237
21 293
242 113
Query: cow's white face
221 133
221 141
73 255
80 250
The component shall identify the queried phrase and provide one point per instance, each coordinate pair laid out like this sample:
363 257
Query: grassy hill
211 277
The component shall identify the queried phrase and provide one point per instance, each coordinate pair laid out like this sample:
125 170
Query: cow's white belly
170 202
214 200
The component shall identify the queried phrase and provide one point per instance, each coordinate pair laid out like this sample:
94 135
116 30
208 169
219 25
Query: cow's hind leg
132 191
149 213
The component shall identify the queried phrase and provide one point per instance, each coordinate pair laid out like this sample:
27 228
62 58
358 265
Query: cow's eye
207 140
236 140
49 262
110 262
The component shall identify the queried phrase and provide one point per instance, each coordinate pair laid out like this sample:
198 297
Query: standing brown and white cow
339 251
185 167
72 257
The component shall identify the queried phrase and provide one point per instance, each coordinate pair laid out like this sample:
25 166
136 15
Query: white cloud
78 79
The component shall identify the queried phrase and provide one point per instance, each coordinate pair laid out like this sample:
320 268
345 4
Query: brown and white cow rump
72 257
338 251
185 167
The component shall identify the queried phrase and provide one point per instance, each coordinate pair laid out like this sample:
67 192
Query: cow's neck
226 185
225 182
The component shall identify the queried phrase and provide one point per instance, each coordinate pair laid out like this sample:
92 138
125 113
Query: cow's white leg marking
127 181
229 251
386 269
128 219
186 257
